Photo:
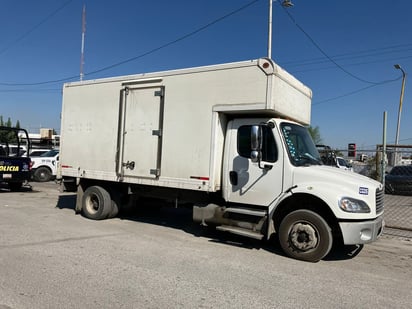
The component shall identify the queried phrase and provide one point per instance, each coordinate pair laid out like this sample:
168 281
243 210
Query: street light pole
270 30
285 3
398 67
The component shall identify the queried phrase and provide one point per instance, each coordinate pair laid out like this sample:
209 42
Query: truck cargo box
167 128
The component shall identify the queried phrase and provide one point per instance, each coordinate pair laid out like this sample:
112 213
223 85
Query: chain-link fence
398 208
398 212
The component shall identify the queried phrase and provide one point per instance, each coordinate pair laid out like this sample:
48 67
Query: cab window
269 150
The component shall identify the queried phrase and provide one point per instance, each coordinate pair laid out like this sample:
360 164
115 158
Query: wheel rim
304 236
92 203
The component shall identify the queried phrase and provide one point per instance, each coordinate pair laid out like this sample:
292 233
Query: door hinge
157 132
159 93
155 172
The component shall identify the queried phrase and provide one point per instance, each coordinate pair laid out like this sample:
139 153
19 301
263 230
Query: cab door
247 182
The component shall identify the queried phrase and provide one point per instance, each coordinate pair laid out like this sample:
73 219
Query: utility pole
286 4
398 67
270 30
82 47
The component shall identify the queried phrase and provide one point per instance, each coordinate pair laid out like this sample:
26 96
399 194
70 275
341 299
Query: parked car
37 152
342 163
399 180
14 150
44 167
14 166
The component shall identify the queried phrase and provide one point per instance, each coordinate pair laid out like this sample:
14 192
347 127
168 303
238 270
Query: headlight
353 205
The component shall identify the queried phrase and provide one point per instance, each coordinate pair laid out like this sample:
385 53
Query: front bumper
355 233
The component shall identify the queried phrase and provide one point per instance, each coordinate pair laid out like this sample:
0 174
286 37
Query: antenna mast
82 48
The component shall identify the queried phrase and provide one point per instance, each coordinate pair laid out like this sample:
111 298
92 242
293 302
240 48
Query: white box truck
228 139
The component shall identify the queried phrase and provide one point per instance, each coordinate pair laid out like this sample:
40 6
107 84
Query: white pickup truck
45 166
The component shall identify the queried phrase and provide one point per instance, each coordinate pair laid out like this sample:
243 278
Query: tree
314 132
8 123
8 137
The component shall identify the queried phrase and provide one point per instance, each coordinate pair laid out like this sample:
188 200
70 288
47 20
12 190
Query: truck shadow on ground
181 218
66 201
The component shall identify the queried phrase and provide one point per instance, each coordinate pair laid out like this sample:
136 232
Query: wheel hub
303 237
92 203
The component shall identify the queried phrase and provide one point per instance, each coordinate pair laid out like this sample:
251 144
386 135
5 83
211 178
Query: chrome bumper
355 233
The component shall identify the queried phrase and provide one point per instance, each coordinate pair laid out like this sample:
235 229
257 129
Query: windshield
50 153
302 151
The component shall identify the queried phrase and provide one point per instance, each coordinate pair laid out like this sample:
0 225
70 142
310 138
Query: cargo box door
142 113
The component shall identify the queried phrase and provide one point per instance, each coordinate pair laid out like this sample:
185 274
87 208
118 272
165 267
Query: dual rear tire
98 204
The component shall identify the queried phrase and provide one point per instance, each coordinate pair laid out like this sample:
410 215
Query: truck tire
116 203
42 174
305 235
96 203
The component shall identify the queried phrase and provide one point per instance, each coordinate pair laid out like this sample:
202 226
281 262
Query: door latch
129 165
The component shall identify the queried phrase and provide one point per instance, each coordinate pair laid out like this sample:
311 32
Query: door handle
233 178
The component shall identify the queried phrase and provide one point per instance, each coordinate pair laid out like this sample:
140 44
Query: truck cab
274 177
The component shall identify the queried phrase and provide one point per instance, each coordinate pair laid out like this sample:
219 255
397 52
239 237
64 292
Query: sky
344 51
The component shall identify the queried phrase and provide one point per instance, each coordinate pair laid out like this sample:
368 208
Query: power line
10 45
327 56
30 90
344 95
353 55
141 55
353 64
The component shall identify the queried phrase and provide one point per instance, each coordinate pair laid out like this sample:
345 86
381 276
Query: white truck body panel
165 128
227 139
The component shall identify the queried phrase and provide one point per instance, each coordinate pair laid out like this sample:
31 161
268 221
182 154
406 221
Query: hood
321 177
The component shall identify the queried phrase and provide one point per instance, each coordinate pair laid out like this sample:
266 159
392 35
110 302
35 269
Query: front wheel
305 235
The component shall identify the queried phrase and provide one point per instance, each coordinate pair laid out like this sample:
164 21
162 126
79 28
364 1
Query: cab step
245 211
239 231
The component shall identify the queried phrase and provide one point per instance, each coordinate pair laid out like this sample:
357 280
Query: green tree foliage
8 137
315 133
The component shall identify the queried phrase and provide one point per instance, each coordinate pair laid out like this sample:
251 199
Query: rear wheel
305 235
96 203
116 204
42 174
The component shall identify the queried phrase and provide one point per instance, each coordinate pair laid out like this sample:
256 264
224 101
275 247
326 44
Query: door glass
269 150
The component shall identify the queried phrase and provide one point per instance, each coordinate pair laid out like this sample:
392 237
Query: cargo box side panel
89 130
289 97
189 99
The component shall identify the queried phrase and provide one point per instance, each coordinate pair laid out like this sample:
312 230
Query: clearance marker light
199 177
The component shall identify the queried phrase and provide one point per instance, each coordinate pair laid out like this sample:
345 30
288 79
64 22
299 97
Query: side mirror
256 143
255 138
255 156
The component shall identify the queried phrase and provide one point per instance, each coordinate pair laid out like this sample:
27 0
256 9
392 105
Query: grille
379 201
